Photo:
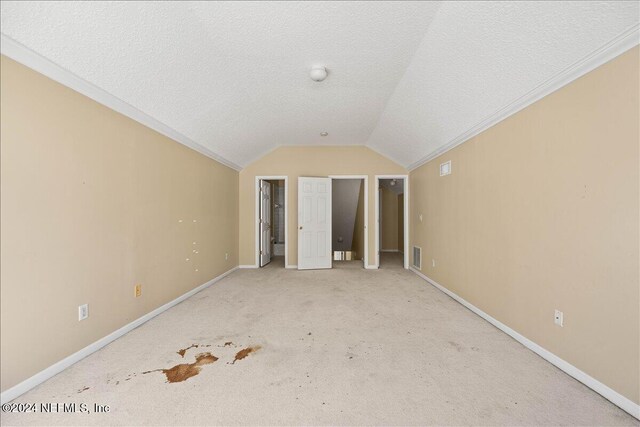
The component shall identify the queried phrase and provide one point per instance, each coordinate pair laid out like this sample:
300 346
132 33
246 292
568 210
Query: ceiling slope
230 79
234 76
482 61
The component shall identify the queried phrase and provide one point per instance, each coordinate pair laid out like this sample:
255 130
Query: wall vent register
417 257
445 168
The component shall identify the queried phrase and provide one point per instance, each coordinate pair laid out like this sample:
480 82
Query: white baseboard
371 267
248 266
616 398
292 266
388 250
56 368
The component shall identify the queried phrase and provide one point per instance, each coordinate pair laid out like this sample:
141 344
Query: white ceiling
405 78
479 57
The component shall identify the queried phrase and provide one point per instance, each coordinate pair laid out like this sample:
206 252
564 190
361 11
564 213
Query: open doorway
391 224
348 221
271 221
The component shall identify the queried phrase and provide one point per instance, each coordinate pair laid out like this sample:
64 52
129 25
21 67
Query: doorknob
300 227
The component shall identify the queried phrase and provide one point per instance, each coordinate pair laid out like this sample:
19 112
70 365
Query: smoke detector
318 74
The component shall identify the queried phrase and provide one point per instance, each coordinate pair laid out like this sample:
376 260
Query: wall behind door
295 161
389 219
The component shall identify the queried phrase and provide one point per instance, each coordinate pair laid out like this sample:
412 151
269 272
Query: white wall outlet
433 262
226 256
420 216
83 311
558 318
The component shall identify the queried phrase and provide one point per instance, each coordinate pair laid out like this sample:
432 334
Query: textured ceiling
478 57
404 77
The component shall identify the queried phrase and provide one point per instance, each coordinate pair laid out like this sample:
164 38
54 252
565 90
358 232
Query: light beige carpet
341 347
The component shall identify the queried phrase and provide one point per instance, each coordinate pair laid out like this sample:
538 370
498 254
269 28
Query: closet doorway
271 221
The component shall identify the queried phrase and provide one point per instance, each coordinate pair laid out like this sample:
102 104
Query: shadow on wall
348 217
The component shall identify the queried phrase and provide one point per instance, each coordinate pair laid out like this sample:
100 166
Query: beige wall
357 244
295 161
541 213
389 220
91 203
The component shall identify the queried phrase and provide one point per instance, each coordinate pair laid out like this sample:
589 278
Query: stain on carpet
85 388
182 351
184 371
245 352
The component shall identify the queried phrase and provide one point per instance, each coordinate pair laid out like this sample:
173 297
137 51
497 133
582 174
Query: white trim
247 266
63 364
39 63
371 267
286 215
292 266
608 393
604 54
365 259
376 217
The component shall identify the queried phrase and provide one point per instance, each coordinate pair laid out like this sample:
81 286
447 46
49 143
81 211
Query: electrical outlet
83 311
433 262
226 256
137 291
558 318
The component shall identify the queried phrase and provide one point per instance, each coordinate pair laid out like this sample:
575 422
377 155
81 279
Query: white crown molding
39 63
612 49
608 393
56 368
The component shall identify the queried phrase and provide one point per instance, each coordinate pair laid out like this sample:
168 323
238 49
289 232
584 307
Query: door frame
376 218
256 221
365 258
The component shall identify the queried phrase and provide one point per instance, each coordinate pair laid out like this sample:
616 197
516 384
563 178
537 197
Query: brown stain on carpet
228 344
184 371
182 352
83 389
245 352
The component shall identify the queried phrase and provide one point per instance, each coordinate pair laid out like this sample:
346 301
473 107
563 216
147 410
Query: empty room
320 213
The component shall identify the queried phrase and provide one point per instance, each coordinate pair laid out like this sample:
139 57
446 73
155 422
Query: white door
314 223
265 223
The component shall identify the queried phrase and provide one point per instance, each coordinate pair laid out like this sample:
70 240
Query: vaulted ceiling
408 79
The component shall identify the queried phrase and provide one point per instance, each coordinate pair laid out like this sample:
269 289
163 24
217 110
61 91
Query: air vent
417 257
445 168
